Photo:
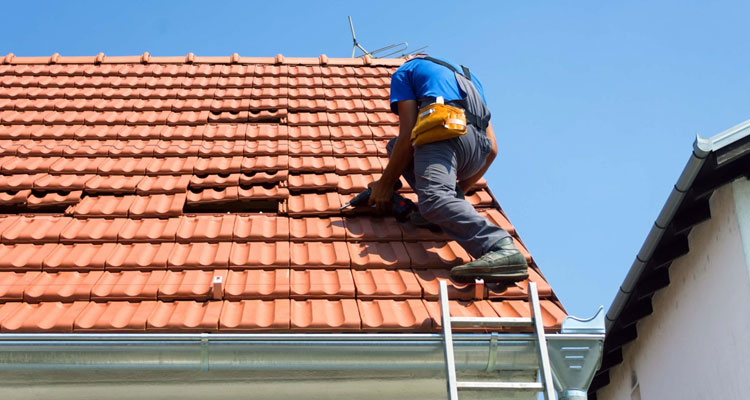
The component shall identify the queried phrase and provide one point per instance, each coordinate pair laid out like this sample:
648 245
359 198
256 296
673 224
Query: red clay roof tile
127 285
257 284
139 256
325 315
436 254
200 255
386 315
158 205
367 255
259 255
63 286
321 283
185 316
189 285
260 228
35 229
148 230
313 229
93 230
255 315
42 317
119 316
13 284
319 255
205 228
377 283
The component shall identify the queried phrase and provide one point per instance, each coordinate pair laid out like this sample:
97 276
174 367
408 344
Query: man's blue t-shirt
420 78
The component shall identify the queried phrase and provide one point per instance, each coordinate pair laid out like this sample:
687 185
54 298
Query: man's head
415 55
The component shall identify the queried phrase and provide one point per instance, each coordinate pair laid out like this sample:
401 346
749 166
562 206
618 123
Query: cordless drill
401 207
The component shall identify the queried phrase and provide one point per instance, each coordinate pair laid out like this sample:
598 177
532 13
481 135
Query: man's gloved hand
380 196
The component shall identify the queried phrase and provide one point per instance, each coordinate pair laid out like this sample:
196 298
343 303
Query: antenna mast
393 48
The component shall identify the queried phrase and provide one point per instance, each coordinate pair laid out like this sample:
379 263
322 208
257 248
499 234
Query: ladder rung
527 386
490 322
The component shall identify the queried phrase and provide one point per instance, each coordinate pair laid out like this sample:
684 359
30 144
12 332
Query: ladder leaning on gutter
545 385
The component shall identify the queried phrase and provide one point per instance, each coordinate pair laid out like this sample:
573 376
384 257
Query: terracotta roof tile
321 283
148 230
200 255
163 184
257 284
312 229
42 317
385 315
377 283
214 180
127 285
63 286
185 316
312 164
139 256
212 196
436 254
366 255
78 256
56 198
13 284
158 205
260 228
319 255
202 194
24 257
259 255
325 315
93 230
361 165
189 285
36 229
255 315
314 204
205 228
120 316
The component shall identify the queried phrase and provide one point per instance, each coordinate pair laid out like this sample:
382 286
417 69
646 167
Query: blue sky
596 103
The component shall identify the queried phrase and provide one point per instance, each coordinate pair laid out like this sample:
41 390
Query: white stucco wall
696 344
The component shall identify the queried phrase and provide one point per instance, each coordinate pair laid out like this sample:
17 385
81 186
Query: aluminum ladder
545 385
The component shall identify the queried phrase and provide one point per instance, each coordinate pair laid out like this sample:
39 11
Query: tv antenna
399 47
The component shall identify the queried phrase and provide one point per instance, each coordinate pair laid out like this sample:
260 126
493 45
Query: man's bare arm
401 156
468 183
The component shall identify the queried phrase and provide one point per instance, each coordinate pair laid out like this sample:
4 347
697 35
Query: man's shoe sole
509 273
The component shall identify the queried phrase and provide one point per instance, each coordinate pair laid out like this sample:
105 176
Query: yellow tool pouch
436 122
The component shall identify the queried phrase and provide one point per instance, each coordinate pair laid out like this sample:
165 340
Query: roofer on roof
441 170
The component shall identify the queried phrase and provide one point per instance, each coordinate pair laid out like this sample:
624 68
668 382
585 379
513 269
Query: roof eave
728 146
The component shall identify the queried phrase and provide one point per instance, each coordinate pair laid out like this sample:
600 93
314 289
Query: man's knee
389 147
431 203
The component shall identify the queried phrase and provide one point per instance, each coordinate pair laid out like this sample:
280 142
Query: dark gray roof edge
702 147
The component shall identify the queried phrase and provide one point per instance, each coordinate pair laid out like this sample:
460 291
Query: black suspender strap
465 73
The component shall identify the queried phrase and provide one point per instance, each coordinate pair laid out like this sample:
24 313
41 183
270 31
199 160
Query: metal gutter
702 147
114 366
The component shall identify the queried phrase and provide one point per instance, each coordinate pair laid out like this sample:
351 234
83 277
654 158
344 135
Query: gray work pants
433 173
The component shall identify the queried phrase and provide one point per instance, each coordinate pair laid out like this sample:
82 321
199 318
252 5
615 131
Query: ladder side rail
545 368
450 362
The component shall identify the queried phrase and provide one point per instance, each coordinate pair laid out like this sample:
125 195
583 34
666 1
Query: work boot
503 263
